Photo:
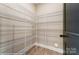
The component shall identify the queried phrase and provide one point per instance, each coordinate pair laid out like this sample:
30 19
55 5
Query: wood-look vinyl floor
36 50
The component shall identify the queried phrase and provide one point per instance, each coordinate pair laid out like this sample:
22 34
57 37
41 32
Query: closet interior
31 28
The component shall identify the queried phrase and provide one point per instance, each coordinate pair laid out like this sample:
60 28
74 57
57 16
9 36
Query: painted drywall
22 25
50 24
17 23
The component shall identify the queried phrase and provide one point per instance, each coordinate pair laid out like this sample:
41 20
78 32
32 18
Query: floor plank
36 50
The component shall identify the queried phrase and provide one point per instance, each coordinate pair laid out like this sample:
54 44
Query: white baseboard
23 51
49 47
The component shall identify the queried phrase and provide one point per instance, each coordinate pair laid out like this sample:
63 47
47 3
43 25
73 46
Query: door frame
64 28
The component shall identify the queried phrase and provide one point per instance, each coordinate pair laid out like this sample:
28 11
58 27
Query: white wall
50 25
45 8
21 25
17 23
